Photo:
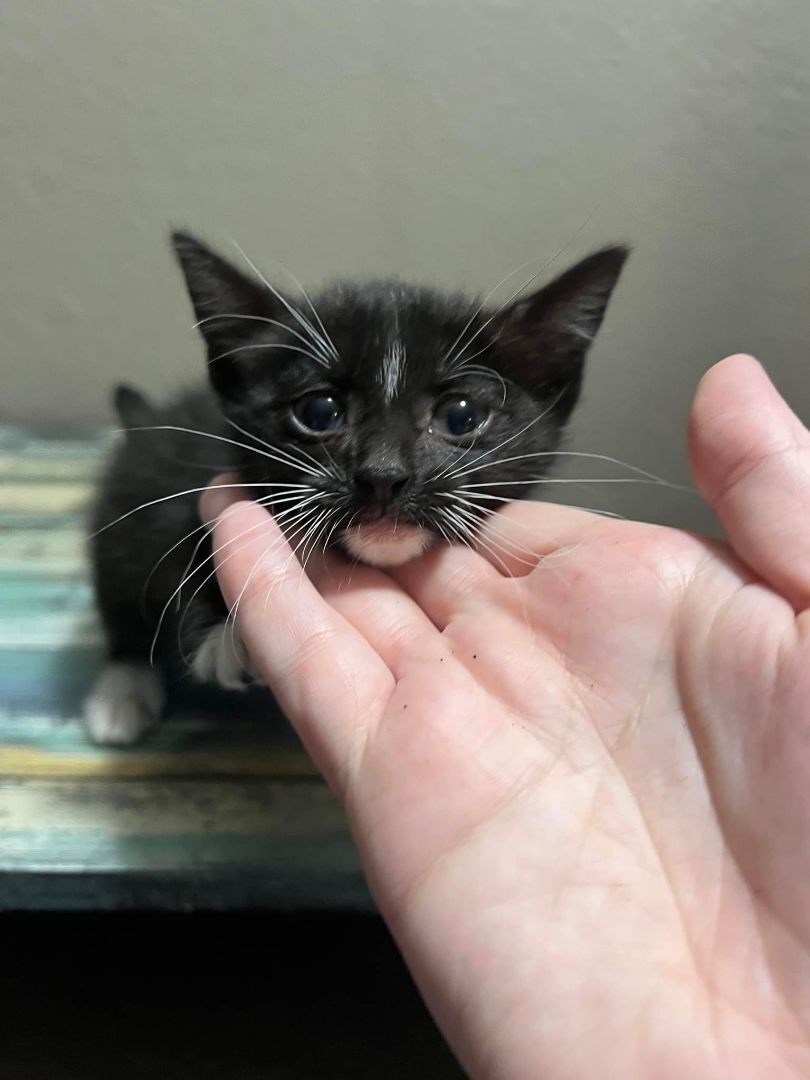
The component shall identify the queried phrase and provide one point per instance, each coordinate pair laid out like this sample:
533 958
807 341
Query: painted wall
431 138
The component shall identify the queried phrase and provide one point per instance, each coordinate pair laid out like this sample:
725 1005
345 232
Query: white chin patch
382 543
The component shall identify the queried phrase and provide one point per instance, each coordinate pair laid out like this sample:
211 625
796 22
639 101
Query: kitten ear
553 328
133 408
227 304
217 289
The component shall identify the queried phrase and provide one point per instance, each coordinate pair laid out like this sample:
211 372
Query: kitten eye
456 417
319 413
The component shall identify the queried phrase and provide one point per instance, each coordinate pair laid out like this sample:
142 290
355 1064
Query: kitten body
379 419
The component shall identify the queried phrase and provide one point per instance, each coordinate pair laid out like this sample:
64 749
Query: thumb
751 462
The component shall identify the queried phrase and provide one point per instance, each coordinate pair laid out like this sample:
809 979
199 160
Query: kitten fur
370 403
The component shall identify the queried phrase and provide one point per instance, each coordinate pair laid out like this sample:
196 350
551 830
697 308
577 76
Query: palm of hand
610 848
630 796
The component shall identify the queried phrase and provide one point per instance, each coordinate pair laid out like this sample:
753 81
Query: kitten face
406 414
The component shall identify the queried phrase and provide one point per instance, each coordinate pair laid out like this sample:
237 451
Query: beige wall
437 139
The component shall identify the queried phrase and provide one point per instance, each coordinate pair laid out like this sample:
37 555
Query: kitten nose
380 485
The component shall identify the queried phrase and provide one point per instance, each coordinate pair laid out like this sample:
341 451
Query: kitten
380 420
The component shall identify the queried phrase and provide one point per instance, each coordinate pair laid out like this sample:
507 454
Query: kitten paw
223 659
123 705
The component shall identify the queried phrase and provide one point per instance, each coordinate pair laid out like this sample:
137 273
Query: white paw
223 659
124 704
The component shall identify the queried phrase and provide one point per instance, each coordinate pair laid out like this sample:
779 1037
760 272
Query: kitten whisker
505 499
470 537
304 528
187 569
313 534
184 581
330 534
188 574
435 524
315 337
287 497
496 339
265 345
453 474
571 453
311 530
593 510
307 528
326 470
232 315
318 541
287 459
480 308
234 609
209 558
277 449
165 555
475 523
331 345
307 341
336 471
454 461
212 573
611 461
177 495
353 559
486 514
232 442
523 287
588 480
484 372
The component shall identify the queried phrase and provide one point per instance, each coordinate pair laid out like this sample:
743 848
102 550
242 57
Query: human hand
582 792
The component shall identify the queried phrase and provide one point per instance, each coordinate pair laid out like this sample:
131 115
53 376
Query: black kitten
380 419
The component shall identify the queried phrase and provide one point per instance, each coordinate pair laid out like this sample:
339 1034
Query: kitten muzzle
385 542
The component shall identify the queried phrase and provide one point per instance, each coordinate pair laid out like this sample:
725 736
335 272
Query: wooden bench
221 809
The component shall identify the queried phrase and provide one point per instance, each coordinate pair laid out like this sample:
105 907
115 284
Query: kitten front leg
124 704
221 658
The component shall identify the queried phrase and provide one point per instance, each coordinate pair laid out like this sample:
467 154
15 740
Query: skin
582 793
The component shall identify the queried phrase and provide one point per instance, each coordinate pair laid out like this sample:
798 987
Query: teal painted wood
220 809
308 887
150 826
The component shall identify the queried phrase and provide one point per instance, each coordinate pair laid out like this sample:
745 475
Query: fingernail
218 497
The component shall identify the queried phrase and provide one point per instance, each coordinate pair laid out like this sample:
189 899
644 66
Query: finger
445 580
511 543
371 601
219 495
376 605
751 461
330 683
